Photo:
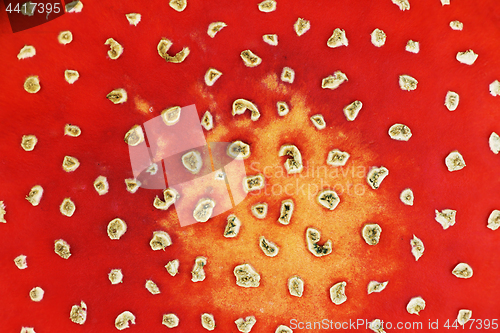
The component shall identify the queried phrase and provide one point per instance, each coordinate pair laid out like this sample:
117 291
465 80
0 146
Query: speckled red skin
372 74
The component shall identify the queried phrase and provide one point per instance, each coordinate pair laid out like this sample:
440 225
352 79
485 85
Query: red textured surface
373 79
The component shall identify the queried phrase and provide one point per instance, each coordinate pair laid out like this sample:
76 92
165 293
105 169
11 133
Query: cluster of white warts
371 232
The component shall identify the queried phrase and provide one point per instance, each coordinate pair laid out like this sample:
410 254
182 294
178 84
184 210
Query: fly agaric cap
329 163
